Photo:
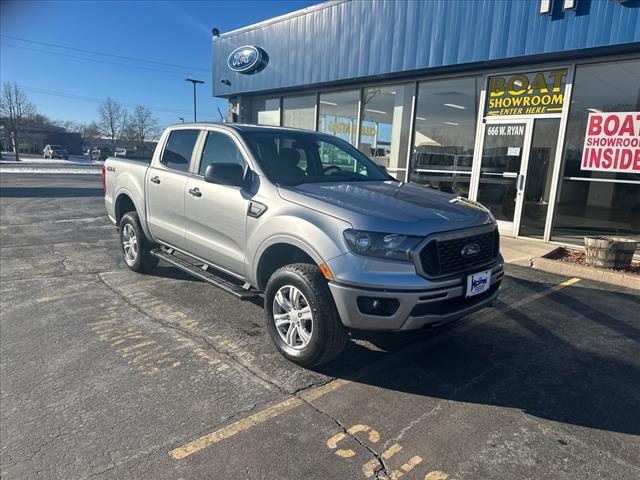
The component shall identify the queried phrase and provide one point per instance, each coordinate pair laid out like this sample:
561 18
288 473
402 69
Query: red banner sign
612 142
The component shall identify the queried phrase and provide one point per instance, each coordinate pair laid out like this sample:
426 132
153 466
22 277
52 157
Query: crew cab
328 239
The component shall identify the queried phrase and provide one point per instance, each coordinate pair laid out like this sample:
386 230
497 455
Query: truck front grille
444 257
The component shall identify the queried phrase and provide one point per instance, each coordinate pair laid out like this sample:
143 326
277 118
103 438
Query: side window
219 148
177 153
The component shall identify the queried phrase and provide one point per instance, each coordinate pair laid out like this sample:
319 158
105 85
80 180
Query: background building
482 98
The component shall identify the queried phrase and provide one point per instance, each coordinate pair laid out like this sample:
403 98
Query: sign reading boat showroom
533 93
612 142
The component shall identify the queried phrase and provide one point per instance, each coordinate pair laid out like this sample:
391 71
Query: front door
502 170
216 215
515 173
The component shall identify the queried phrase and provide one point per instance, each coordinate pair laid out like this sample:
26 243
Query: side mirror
231 174
383 168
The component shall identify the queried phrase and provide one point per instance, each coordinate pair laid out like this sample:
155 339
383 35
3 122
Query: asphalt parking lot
110 374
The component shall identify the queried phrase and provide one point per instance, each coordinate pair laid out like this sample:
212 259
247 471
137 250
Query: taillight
104 180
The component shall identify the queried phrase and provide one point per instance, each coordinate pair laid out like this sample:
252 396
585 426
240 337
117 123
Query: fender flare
282 238
142 214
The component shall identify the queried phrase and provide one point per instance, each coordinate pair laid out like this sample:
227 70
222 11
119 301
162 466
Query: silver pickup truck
329 239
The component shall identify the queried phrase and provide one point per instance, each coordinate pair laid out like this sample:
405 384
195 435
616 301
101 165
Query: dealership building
530 107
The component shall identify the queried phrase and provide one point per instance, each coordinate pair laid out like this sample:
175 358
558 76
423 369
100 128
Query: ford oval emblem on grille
470 250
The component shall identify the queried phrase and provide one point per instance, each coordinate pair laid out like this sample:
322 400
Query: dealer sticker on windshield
478 283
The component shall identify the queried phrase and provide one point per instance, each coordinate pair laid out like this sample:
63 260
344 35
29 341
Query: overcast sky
173 37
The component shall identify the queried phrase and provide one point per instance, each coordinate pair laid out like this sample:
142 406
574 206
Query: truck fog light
382 307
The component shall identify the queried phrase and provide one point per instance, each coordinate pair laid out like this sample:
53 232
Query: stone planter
609 252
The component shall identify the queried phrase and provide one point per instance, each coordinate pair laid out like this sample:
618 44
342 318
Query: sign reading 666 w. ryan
612 142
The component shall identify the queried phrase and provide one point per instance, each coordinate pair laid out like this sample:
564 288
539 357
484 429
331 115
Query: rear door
166 182
216 215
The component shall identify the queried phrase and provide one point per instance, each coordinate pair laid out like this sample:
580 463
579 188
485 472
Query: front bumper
442 302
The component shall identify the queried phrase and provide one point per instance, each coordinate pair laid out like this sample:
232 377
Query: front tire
134 245
301 316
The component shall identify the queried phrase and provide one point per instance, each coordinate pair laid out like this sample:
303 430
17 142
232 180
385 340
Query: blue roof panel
343 40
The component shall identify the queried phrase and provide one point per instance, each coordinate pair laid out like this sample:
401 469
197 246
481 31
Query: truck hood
389 207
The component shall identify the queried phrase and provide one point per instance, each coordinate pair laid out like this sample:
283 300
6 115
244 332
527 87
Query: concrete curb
621 279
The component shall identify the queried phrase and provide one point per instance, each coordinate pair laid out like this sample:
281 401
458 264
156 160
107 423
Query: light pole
181 119
195 82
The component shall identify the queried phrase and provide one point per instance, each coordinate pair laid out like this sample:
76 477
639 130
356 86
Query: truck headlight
382 245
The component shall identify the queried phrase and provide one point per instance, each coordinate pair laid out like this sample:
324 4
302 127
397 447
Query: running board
205 274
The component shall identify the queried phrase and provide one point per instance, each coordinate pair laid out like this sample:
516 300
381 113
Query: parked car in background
120 152
333 241
55 151
100 154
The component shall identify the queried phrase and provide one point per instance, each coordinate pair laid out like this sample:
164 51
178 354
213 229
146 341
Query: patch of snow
73 171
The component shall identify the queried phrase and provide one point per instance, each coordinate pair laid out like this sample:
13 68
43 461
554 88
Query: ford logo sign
470 250
245 59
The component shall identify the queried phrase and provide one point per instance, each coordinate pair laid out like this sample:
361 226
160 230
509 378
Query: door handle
195 192
520 182
155 179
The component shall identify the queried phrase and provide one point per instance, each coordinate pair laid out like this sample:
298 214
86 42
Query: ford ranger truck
326 236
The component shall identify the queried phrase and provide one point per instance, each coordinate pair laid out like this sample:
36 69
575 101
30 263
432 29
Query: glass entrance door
539 171
504 153
515 173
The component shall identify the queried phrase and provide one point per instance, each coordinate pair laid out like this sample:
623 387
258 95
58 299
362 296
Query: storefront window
445 132
265 111
338 114
384 134
299 112
594 199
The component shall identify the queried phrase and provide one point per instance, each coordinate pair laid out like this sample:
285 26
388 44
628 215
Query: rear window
177 153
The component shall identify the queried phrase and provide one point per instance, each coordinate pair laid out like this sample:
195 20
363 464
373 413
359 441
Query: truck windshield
293 158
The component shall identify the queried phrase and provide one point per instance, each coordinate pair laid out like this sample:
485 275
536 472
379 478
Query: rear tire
135 246
305 305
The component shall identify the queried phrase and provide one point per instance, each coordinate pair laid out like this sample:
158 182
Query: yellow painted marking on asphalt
406 468
345 453
147 354
255 419
374 436
332 443
436 475
357 428
309 396
137 346
391 451
235 428
369 468
411 464
317 392
127 338
204 355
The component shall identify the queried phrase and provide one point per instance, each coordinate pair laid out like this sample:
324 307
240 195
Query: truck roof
242 127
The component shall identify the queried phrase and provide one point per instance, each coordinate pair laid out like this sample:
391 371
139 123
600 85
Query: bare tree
89 132
15 107
113 119
142 125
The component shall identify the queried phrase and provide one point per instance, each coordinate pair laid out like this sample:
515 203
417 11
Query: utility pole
195 82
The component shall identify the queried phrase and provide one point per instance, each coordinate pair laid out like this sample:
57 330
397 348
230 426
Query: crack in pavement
265 381
237 362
